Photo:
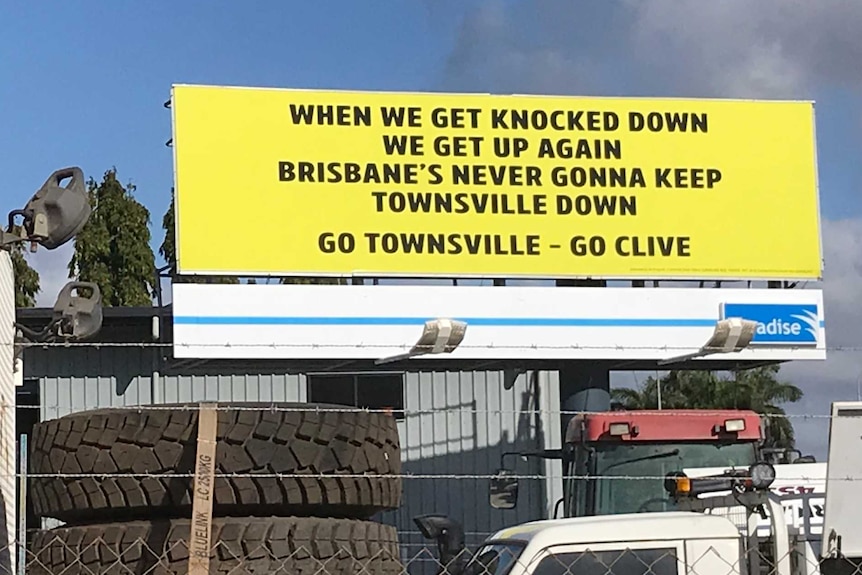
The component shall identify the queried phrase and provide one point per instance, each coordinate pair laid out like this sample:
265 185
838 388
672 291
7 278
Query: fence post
200 539
22 506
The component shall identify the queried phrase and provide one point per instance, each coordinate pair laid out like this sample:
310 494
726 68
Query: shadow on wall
462 490
122 365
5 549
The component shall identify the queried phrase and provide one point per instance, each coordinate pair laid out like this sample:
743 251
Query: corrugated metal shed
80 378
457 424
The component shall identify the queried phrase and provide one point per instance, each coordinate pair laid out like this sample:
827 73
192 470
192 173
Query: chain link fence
115 439
122 478
92 551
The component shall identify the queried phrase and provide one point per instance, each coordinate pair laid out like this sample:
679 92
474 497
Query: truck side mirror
449 535
55 214
504 490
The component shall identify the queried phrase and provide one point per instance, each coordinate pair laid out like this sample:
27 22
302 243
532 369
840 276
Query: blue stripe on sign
475 321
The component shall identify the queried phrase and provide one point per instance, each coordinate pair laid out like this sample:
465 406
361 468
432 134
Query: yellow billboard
333 183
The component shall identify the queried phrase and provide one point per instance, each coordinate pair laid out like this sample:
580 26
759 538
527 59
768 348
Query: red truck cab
617 460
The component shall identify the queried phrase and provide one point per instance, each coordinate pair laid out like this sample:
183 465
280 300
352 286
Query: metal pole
22 507
658 390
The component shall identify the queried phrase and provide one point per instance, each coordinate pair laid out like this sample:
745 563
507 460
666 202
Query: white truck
689 541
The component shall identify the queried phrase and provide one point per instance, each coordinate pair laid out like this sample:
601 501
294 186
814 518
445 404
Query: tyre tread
325 445
271 545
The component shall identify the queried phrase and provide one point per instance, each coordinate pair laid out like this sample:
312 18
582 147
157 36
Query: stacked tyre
302 484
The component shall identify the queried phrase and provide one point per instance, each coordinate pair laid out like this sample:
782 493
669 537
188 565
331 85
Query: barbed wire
410 476
395 345
230 405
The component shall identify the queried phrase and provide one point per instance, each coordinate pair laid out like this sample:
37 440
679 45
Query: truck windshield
630 476
494 559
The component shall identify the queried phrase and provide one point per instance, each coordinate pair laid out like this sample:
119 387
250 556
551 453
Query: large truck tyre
343 463
268 545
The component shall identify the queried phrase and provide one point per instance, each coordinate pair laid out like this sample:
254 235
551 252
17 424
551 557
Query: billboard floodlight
438 336
77 315
55 213
730 335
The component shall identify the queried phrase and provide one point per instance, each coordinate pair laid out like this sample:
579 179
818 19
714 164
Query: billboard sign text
326 183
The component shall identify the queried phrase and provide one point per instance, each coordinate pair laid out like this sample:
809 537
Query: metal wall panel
458 425
81 378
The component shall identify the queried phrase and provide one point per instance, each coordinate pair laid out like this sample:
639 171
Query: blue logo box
791 324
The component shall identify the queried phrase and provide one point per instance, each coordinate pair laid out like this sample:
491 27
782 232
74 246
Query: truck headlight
618 429
734 425
762 475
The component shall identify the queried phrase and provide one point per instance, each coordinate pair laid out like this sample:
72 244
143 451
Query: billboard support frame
495 276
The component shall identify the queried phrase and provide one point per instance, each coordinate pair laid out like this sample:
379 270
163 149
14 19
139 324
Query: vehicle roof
665 425
660 526
676 412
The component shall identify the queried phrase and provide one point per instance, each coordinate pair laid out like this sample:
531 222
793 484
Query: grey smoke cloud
734 48
691 48
769 48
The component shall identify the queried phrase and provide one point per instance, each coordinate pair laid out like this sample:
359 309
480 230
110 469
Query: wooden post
200 539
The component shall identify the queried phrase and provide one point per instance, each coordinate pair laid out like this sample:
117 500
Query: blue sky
84 83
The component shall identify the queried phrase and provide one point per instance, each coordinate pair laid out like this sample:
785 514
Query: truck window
632 473
610 562
494 559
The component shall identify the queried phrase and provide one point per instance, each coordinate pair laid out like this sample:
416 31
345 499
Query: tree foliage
757 389
168 250
313 281
113 249
26 278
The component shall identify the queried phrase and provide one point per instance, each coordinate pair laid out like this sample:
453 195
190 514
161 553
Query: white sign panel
373 322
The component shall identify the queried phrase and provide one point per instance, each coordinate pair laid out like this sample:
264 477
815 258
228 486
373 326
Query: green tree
26 278
315 281
168 250
758 389
113 249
